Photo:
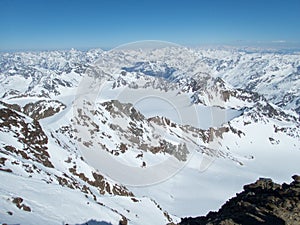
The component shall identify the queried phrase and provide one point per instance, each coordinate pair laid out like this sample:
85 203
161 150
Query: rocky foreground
263 202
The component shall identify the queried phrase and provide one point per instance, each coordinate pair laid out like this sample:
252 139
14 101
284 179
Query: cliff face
263 202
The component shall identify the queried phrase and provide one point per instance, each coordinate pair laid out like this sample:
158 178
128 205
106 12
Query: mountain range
142 135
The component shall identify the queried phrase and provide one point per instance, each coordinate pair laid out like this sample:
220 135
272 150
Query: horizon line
263 45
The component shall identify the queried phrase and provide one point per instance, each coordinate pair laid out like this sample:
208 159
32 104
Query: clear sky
60 24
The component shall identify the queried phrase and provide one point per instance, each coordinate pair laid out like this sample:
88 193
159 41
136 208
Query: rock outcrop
263 202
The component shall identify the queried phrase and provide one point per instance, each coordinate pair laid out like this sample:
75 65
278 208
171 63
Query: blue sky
60 24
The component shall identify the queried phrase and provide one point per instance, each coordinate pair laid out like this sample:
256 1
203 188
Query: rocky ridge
262 202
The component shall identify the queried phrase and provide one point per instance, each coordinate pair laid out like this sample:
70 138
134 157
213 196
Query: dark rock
17 201
296 178
262 183
26 208
263 202
123 221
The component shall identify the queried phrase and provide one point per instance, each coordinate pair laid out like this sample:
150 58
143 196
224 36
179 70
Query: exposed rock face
30 135
27 146
43 108
38 110
135 131
263 202
214 91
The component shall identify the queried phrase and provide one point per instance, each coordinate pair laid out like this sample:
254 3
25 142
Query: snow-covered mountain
141 135
273 74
